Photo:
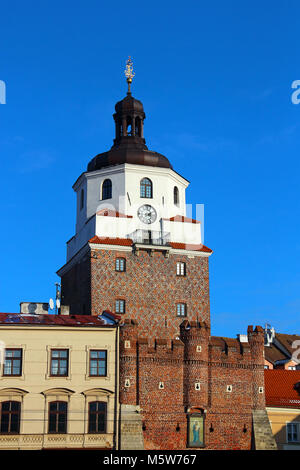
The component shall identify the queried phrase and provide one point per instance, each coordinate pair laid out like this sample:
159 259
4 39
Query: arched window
138 126
119 129
106 189
10 417
58 417
81 199
176 196
97 417
146 188
129 125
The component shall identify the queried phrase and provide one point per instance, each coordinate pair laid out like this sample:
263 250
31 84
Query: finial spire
129 74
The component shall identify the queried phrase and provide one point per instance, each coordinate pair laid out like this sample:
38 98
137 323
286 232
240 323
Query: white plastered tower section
125 166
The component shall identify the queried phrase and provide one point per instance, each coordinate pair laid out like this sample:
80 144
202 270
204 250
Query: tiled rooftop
107 319
281 388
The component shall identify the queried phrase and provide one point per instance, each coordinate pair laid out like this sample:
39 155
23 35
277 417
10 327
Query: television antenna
55 305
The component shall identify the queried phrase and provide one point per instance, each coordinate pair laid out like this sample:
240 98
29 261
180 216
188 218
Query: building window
59 362
98 363
138 127
293 432
292 368
120 306
12 363
97 417
10 417
58 417
181 271
266 367
106 189
181 310
146 188
120 264
176 196
81 199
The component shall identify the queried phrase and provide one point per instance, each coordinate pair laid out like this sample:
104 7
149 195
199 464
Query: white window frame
120 302
181 311
180 268
120 265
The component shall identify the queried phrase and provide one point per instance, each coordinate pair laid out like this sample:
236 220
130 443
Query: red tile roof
129 242
281 388
181 218
111 241
190 247
62 320
111 213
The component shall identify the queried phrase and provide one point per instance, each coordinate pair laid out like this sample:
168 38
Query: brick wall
149 286
150 354
218 364
151 289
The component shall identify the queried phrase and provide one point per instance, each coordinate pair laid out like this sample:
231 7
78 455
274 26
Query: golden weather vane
129 74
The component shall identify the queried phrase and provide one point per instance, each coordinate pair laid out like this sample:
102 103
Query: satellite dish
51 304
57 303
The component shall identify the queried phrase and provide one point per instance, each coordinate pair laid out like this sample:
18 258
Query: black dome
129 143
129 105
118 156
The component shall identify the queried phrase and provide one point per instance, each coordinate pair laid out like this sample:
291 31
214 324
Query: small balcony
150 237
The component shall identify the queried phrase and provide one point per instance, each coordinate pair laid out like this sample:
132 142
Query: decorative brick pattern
150 286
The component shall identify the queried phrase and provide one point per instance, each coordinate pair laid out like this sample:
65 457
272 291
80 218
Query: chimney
64 310
243 338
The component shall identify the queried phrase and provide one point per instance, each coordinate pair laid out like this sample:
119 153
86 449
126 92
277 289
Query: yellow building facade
58 381
285 423
282 388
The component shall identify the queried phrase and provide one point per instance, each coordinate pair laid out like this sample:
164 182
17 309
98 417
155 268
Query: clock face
147 214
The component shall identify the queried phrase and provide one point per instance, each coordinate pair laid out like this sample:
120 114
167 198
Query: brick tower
136 253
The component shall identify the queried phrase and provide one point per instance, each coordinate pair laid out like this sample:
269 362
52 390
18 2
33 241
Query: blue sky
215 80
